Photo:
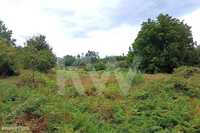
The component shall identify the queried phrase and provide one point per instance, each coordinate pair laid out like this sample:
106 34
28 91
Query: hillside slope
163 103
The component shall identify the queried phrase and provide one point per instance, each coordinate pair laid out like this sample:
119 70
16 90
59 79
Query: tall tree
69 60
38 54
91 57
38 42
6 34
8 65
163 44
7 52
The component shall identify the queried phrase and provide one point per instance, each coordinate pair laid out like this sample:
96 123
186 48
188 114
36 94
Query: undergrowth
162 105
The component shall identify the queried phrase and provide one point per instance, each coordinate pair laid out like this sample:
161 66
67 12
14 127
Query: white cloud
60 20
107 42
193 20
27 18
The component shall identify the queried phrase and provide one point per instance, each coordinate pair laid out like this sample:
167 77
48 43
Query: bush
27 78
123 64
95 67
8 65
184 88
164 44
99 66
142 95
31 104
186 71
38 55
135 77
57 122
71 92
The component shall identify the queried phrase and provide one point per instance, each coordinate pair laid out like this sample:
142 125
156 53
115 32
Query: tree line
91 61
161 45
36 54
164 44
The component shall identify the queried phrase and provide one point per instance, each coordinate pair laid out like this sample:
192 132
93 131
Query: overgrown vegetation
8 65
168 103
164 44
35 55
89 94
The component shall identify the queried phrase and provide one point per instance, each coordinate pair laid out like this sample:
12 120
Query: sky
107 26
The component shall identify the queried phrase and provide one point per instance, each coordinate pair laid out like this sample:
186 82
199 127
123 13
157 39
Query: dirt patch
35 123
150 77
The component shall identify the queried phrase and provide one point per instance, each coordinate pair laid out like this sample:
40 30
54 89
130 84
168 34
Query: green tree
91 57
198 55
69 60
6 34
163 44
38 55
38 42
8 65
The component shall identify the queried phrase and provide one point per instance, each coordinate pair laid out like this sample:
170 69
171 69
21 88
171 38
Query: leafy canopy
7 59
163 44
69 60
39 55
7 52
5 33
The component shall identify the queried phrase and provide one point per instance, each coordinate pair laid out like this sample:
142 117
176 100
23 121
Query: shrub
186 71
99 66
27 78
95 67
8 65
71 92
38 54
123 64
119 115
184 88
57 122
112 91
135 77
142 95
32 104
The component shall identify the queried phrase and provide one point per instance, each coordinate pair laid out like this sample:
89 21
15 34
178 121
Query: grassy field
77 101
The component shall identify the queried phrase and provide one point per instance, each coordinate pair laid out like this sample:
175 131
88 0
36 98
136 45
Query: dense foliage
159 103
69 60
39 55
197 57
8 64
91 61
86 99
164 44
7 52
6 34
36 54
